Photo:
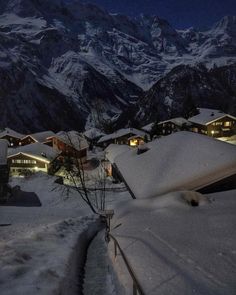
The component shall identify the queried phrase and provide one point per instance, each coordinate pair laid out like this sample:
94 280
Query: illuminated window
227 124
219 123
133 142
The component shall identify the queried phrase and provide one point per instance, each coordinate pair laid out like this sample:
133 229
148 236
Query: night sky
180 13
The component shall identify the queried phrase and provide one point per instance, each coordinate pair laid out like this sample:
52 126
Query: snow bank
175 248
48 261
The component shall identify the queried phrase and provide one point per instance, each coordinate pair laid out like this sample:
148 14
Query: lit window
133 142
227 124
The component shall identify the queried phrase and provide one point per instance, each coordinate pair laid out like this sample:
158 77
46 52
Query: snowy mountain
186 85
65 64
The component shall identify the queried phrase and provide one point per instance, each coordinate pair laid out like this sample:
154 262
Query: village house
11 136
4 168
213 123
71 144
33 157
169 126
44 137
178 162
129 136
173 125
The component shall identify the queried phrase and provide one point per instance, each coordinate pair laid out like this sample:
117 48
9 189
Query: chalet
169 126
33 157
11 136
4 168
71 144
213 123
44 137
178 162
173 125
129 136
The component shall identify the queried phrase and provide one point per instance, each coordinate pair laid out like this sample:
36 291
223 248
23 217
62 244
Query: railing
137 289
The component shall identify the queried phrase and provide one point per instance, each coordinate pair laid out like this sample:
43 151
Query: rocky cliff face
65 64
214 88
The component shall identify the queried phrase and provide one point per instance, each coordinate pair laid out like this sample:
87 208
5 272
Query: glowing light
133 142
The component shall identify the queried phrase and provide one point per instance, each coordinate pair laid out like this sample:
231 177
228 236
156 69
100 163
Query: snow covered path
178 249
100 278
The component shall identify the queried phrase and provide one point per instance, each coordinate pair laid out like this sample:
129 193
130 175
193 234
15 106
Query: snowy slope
93 63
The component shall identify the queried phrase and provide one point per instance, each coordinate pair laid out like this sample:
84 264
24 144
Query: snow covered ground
43 248
175 248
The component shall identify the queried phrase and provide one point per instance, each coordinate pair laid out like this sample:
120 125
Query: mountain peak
226 23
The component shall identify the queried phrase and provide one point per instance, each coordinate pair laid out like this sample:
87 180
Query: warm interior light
133 142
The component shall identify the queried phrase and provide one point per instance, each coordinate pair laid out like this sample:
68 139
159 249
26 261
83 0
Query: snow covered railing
137 289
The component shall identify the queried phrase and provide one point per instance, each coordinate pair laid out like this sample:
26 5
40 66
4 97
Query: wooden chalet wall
23 162
217 128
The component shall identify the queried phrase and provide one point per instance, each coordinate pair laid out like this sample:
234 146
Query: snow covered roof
41 136
148 127
93 133
3 151
10 132
73 138
180 161
36 150
120 133
174 248
114 150
177 121
207 116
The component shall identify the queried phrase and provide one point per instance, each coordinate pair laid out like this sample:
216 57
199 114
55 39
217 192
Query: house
169 126
173 125
42 137
11 136
4 168
129 136
33 157
181 161
213 123
71 144
111 152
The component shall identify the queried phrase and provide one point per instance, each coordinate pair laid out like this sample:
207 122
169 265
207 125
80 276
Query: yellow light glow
133 142
36 168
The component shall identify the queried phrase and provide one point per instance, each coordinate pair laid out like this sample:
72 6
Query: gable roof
148 127
36 150
3 151
208 116
180 161
40 136
179 121
120 133
73 139
11 132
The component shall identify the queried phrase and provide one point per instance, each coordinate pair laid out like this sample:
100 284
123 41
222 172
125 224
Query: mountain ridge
98 63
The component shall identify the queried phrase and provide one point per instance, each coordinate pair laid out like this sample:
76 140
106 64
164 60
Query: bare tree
75 170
